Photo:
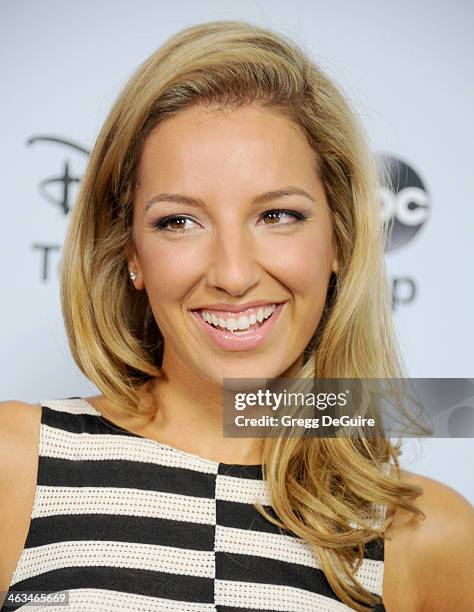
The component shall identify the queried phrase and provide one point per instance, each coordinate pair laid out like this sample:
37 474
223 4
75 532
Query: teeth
232 324
242 323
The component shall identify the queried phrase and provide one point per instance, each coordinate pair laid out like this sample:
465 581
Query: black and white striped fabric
126 523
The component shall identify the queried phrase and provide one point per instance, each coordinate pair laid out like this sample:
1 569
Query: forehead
242 144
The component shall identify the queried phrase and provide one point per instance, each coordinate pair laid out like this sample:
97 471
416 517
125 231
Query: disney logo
65 179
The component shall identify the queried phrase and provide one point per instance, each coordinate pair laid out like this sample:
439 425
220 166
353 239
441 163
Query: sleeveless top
122 522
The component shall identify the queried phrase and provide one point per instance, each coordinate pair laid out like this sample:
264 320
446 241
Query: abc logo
404 199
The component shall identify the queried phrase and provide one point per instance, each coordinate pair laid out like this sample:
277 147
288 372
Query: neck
190 417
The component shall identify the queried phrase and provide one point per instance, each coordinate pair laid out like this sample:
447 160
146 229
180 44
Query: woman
227 227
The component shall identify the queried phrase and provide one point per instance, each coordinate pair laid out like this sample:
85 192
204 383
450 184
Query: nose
232 261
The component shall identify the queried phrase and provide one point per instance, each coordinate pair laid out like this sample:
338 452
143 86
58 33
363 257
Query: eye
182 223
276 214
173 223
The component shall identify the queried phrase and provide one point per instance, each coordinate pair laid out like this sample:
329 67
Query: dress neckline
254 467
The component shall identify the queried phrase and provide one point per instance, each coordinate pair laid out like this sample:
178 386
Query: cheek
169 272
305 265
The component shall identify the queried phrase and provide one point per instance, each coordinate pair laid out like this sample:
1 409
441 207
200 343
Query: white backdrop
406 67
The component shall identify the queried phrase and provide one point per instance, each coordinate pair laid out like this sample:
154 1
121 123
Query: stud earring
133 275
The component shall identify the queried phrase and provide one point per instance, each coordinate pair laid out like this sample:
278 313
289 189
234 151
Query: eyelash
160 224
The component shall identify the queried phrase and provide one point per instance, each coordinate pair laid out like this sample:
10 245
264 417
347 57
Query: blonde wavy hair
318 486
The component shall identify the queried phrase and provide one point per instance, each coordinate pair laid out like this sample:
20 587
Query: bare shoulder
436 550
19 439
15 414
9 408
19 428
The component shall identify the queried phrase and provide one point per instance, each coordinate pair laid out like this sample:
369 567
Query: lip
222 306
229 341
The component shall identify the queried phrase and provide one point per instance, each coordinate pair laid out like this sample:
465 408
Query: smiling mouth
232 331
241 324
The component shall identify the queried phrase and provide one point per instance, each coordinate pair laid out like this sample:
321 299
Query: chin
248 369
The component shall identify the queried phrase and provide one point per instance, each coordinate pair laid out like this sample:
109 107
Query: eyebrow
259 199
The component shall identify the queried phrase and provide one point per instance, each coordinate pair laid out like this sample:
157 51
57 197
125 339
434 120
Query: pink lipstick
239 340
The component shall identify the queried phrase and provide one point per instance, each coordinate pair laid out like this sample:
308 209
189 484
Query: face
233 242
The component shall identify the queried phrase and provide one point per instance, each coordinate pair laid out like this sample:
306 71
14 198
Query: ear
335 265
133 265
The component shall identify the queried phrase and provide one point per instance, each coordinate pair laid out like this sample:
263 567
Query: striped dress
123 522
